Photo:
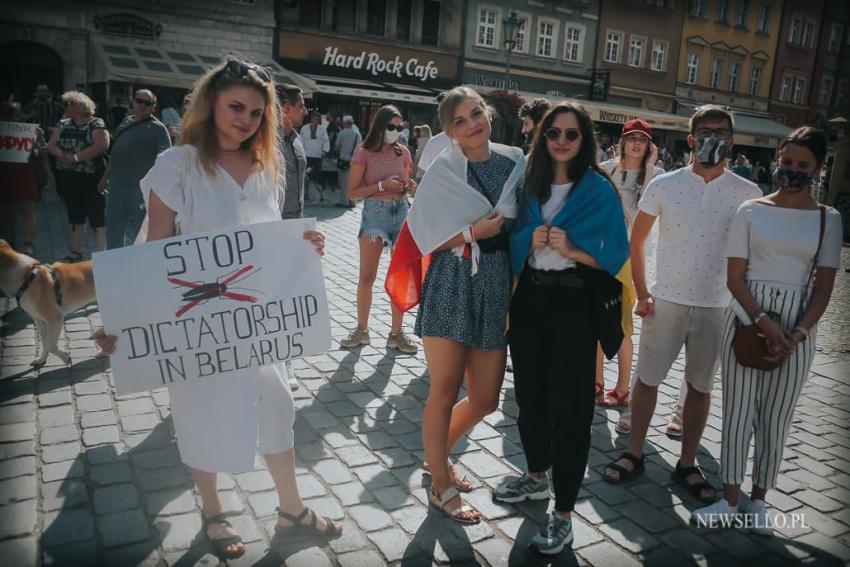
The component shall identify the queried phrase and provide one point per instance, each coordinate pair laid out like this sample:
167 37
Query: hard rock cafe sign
127 24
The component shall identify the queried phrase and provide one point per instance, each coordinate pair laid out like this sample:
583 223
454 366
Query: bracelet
644 296
803 331
759 317
468 236
380 186
76 158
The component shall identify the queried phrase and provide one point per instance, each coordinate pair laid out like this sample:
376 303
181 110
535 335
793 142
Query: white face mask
391 136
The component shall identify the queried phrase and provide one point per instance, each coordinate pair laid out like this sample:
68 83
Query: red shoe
612 399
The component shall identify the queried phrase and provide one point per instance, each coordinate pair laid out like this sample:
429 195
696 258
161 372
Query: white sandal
457 513
462 483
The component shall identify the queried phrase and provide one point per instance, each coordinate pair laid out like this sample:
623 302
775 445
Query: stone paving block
263 503
396 458
88 387
610 494
19 449
55 398
100 435
312 451
169 502
60 452
309 486
64 470
111 473
50 435
135 407
97 402
157 459
17 432
607 555
337 438
355 456
137 423
121 528
326 507
310 557
351 493
351 539
177 532
687 542
246 527
649 517
18 413
369 517
495 551
143 554
115 498
55 417
332 471
393 497
104 454
21 552
482 500
629 535
392 543
818 501
483 465
18 489
98 418
63 494
18 519
736 544
255 481
67 526
374 476
79 553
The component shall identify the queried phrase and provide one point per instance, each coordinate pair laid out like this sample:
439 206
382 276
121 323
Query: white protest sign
210 303
17 141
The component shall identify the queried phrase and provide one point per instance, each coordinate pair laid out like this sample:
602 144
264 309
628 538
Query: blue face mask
792 180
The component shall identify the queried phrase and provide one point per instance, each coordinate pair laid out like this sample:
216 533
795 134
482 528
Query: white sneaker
759 521
721 514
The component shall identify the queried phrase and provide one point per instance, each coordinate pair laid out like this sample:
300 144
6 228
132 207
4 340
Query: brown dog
53 291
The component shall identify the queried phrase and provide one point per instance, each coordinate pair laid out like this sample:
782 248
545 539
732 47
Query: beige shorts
673 325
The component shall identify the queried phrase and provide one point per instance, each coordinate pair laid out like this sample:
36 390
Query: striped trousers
760 402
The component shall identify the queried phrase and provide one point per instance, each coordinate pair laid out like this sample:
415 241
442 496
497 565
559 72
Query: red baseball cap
638 125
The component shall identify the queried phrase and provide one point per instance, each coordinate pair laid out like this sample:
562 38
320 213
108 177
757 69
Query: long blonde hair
197 127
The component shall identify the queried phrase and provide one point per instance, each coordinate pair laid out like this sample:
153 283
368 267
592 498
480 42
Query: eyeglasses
144 101
240 69
722 133
569 135
392 127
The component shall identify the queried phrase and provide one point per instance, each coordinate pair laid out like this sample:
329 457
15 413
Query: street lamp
510 27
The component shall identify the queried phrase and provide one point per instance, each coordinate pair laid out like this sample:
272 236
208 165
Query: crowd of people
541 249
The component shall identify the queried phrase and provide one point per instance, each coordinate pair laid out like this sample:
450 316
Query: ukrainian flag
594 221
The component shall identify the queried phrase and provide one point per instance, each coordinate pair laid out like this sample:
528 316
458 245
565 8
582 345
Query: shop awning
373 89
613 113
151 64
750 130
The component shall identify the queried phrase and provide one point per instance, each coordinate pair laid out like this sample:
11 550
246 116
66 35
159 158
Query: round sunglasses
569 135
392 127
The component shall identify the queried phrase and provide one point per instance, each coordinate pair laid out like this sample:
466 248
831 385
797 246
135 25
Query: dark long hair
810 138
375 138
539 171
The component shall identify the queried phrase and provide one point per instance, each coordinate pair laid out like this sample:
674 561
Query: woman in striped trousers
775 246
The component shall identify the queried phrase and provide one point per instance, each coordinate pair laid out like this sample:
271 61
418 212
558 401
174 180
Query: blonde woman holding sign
225 173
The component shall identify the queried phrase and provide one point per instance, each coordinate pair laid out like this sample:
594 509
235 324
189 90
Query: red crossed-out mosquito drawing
200 292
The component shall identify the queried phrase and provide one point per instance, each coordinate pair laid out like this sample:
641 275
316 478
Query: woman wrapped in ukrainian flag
570 252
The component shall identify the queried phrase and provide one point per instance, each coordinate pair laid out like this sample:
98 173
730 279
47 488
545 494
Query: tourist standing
346 142
314 136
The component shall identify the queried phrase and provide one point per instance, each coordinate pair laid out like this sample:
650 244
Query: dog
47 293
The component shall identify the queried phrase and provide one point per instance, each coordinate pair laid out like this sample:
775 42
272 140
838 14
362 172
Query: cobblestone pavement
87 477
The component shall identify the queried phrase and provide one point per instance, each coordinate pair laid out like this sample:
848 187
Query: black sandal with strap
330 531
220 545
681 475
625 474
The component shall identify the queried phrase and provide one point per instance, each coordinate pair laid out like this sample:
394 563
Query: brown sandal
332 529
459 513
221 544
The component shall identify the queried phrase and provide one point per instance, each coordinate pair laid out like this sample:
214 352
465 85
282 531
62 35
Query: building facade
553 54
829 93
362 54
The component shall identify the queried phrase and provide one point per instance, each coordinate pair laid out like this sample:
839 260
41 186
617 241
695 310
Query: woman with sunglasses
381 171
224 173
78 144
570 251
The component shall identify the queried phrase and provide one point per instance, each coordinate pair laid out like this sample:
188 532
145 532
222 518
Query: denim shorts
383 219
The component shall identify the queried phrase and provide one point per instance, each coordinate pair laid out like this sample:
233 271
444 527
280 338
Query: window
310 14
659 55
734 76
716 72
835 37
344 16
840 93
795 31
743 13
613 42
573 43
808 33
377 17
764 18
755 80
487 19
402 25
521 45
825 90
636 44
431 23
785 92
546 33
693 69
799 90
698 8
722 11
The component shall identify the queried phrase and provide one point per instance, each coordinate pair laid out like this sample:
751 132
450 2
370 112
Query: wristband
644 296
380 186
803 331
468 235
76 158
758 316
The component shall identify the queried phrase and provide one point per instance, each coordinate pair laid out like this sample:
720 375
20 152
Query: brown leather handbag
750 344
